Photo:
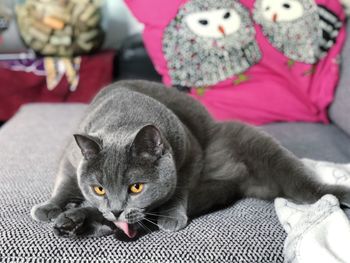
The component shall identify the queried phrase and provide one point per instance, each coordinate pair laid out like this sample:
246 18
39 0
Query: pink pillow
256 61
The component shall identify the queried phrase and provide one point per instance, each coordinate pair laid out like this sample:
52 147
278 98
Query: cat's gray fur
138 131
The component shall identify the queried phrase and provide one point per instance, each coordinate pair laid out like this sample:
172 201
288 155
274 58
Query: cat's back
113 109
117 113
189 111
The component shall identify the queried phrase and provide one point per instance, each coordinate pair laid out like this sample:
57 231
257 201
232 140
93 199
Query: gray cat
145 150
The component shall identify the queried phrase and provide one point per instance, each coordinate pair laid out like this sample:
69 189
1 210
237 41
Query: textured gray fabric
30 147
314 141
339 110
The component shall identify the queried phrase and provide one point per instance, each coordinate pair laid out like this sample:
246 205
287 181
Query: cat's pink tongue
124 226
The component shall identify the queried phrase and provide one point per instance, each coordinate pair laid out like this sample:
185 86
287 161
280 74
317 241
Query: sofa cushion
31 144
314 141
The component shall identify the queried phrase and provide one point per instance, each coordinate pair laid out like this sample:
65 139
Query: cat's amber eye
136 188
99 190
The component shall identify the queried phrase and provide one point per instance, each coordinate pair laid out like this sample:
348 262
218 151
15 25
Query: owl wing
330 25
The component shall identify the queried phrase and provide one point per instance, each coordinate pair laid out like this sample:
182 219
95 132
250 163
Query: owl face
292 26
282 10
215 23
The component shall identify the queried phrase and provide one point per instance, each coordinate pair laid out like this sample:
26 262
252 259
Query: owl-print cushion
256 61
208 42
301 29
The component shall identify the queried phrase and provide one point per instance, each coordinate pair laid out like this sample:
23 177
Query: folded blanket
319 232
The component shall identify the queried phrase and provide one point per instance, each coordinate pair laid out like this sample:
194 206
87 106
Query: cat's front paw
173 222
45 212
70 224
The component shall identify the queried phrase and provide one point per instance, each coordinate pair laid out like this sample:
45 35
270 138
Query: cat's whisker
144 226
147 228
148 220
160 215
169 209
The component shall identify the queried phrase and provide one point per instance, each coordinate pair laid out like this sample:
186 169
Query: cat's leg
82 221
173 215
212 194
304 184
242 161
284 175
276 172
66 192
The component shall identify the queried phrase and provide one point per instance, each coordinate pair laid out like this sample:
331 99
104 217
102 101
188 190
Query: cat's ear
148 143
88 145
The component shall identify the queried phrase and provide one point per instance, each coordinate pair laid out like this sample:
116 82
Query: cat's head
126 175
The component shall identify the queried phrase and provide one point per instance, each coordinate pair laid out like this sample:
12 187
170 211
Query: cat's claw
69 224
45 212
176 223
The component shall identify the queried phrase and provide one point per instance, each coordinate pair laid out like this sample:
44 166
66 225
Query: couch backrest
340 109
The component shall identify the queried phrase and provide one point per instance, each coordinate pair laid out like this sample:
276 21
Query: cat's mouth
128 229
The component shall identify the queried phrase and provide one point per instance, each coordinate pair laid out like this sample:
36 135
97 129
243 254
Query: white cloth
319 232
330 173
316 233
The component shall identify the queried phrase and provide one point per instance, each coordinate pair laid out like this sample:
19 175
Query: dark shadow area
133 62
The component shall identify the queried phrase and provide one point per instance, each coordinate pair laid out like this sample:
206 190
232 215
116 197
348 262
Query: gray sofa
247 232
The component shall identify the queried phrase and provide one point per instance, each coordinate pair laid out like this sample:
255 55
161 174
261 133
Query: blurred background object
10 43
5 17
69 49
346 4
61 28
116 23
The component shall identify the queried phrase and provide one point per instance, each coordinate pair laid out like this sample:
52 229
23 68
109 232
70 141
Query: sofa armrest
340 109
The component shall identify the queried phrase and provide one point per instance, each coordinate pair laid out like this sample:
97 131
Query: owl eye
136 188
99 190
227 15
203 22
286 5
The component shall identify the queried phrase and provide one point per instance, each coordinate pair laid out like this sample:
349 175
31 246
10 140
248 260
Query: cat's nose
116 213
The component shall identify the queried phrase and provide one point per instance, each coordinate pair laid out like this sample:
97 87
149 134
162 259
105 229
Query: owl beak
274 18
222 30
